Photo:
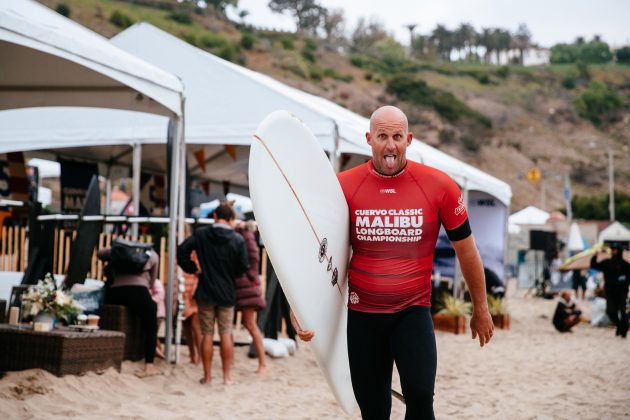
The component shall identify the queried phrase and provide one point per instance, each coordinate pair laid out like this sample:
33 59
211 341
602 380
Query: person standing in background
222 257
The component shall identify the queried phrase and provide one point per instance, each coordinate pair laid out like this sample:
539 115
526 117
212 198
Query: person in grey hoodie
222 257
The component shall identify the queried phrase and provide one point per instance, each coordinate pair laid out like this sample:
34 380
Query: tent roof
55 61
615 232
529 216
352 126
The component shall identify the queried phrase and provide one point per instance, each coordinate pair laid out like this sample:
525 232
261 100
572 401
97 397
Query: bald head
389 114
389 137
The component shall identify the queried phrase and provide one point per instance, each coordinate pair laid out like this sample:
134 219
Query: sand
527 372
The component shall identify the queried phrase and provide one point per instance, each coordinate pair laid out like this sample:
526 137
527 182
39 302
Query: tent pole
108 195
177 123
181 234
137 163
334 154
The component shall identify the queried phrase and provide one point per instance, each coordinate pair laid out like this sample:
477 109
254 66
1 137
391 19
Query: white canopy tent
529 216
225 103
49 60
615 232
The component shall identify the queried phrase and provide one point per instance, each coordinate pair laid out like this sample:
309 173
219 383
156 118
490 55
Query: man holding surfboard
396 210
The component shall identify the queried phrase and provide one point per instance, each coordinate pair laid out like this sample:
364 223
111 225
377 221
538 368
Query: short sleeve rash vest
394 225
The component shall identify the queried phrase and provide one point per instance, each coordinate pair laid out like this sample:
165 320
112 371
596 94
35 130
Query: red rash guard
394 225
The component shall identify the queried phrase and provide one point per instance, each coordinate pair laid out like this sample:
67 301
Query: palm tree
486 40
465 37
522 41
443 41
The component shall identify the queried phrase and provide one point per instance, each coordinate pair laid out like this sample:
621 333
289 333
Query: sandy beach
527 372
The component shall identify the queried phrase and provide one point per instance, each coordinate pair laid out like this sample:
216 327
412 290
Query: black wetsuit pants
138 301
375 342
616 310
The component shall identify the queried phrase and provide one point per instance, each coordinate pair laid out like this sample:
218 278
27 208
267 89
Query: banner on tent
152 194
14 181
75 179
487 216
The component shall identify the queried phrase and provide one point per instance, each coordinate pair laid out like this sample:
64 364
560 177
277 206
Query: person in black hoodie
223 257
616 272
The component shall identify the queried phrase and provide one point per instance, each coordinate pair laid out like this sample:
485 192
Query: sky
549 21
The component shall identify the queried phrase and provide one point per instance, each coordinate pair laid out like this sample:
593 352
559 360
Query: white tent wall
49 60
488 218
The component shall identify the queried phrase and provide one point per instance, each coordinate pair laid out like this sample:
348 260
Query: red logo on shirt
387 190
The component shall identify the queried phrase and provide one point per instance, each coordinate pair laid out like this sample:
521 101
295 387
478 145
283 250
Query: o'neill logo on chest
387 190
388 225
461 208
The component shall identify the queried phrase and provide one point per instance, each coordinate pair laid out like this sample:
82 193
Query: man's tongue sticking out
390 162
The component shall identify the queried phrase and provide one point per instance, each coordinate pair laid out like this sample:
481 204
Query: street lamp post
611 179
611 185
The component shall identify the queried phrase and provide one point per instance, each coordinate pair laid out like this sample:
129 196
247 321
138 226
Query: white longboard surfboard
302 216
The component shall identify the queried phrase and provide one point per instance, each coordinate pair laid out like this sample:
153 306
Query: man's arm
184 250
472 269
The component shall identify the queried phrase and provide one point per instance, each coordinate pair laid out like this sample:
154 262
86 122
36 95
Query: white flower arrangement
45 297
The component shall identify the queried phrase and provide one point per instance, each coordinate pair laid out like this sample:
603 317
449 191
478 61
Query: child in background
158 295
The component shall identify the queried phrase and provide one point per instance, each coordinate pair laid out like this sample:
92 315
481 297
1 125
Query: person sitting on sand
567 314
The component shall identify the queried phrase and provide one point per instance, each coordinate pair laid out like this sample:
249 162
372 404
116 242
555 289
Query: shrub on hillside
120 19
63 9
598 104
315 73
287 43
191 39
568 82
447 136
214 41
623 55
416 90
180 16
247 41
503 72
308 50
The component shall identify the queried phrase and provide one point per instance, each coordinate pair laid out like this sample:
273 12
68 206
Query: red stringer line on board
296 197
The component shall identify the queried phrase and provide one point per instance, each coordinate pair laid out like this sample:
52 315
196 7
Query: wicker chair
118 318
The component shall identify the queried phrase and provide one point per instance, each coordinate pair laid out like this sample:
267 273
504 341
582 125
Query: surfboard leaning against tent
303 218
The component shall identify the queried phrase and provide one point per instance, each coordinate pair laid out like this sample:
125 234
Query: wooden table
60 351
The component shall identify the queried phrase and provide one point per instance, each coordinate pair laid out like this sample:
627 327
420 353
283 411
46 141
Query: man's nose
390 144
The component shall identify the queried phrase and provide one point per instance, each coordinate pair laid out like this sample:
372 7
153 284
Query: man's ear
368 137
409 138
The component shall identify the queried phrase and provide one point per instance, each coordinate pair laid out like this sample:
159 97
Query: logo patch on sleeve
461 209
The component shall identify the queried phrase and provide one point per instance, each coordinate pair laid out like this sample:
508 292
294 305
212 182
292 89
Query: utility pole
611 185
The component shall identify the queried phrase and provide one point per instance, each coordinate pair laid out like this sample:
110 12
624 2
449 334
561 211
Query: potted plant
43 302
499 311
452 315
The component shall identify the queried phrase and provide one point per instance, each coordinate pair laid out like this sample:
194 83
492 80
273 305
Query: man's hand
305 335
481 325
